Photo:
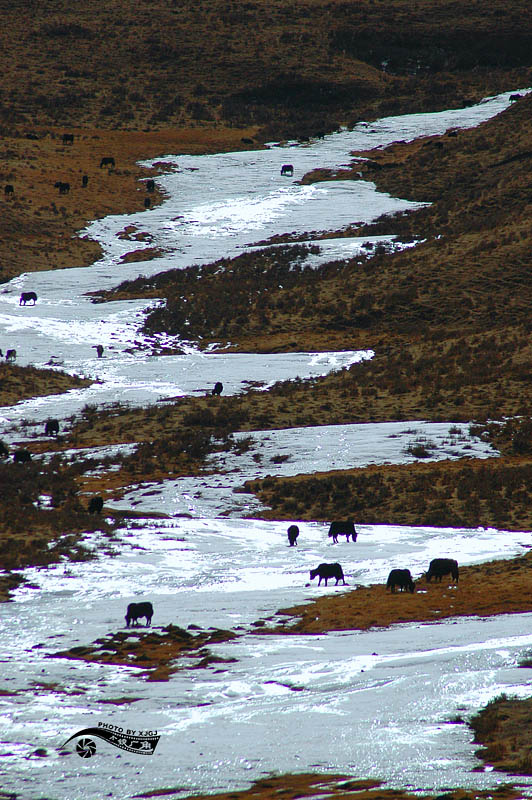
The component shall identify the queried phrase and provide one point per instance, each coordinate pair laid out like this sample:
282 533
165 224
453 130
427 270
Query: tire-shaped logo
86 747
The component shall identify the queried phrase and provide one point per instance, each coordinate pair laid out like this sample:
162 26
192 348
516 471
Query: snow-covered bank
142 379
300 451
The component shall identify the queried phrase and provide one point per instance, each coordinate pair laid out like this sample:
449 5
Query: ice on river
140 379
300 451
381 703
218 205
378 703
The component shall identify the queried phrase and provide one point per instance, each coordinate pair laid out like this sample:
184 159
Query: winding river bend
378 703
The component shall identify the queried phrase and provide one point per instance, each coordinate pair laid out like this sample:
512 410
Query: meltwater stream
384 703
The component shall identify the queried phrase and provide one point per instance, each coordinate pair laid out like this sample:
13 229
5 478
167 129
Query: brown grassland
449 320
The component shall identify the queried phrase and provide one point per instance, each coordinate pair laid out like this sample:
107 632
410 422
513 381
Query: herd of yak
400 579
397 579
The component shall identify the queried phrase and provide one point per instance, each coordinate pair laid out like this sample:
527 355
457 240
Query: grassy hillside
290 66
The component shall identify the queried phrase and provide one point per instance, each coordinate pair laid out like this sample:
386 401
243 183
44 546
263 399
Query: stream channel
381 703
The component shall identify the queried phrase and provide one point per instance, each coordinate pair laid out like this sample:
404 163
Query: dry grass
498 587
156 654
503 729
18 383
292 67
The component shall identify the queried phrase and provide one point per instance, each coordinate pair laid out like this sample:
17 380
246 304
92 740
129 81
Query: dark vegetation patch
502 727
169 444
218 301
480 492
42 517
421 50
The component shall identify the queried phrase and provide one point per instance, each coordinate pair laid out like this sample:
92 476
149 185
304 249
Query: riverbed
388 704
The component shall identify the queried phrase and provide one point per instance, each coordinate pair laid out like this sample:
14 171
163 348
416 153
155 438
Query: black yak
326 571
95 505
136 610
25 297
346 529
439 567
401 578
293 533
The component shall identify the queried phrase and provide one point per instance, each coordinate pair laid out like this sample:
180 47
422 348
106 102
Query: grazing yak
346 529
218 388
11 355
95 505
147 202
401 578
26 297
150 185
326 571
21 456
287 169
51 427
439 567
136 610
293 533
99 349
107 161
84 181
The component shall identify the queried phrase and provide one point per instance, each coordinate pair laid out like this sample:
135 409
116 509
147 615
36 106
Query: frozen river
382 703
